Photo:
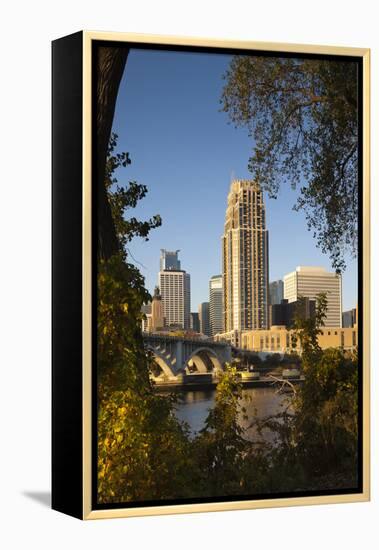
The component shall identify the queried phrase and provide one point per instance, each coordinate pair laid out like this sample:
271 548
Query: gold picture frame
83 507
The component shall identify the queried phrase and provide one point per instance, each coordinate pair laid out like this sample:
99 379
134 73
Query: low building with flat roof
232 337
279 339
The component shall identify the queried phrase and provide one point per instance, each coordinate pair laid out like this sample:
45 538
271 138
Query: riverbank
208 385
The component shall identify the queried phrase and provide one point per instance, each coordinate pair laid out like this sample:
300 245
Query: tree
272 360
121 290
140 442
317 434
227 462
303 117
144 452
110 64
307 329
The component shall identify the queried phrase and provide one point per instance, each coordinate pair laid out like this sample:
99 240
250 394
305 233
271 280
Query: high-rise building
175 288
276 292
275 298
169 260
204 319
194 321
245 259
216 316
157 316
349 318
310 281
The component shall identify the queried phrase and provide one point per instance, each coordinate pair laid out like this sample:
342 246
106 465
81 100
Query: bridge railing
196 341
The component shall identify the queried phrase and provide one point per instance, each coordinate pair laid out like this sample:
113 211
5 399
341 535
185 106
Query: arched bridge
175 356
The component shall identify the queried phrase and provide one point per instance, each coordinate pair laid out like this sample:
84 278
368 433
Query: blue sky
181 146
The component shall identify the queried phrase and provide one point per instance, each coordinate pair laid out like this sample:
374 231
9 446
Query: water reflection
193 408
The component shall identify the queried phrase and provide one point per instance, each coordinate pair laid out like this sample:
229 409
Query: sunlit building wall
157 316
175 287
245 259
310 281
280 340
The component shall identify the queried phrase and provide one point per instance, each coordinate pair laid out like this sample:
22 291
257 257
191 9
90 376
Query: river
193 407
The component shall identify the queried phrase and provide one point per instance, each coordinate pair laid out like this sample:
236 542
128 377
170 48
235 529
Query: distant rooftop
317 271
311 269
238 185
172 270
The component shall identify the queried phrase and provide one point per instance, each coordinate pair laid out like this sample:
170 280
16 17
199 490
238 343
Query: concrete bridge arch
162 362
176 356
205 359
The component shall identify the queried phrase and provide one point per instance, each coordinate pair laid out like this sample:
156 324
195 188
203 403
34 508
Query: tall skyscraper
310 281
169 260
276 292
245 259
175 287
215 305
204 319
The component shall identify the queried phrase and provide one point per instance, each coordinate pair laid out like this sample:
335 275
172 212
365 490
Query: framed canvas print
210 275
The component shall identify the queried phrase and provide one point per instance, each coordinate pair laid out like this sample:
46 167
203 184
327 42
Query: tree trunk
110 64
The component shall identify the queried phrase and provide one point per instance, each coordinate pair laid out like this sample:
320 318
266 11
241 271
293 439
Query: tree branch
283 382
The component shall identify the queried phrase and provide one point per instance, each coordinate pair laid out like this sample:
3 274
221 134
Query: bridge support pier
179 355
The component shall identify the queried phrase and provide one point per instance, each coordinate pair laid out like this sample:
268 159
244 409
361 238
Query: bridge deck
195 341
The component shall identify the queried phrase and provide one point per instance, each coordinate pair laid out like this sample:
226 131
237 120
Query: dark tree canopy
303 117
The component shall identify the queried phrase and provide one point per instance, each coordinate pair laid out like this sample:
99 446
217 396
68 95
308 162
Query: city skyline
304 282
188 178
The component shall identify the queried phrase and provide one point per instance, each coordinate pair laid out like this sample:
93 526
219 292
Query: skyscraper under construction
245 259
